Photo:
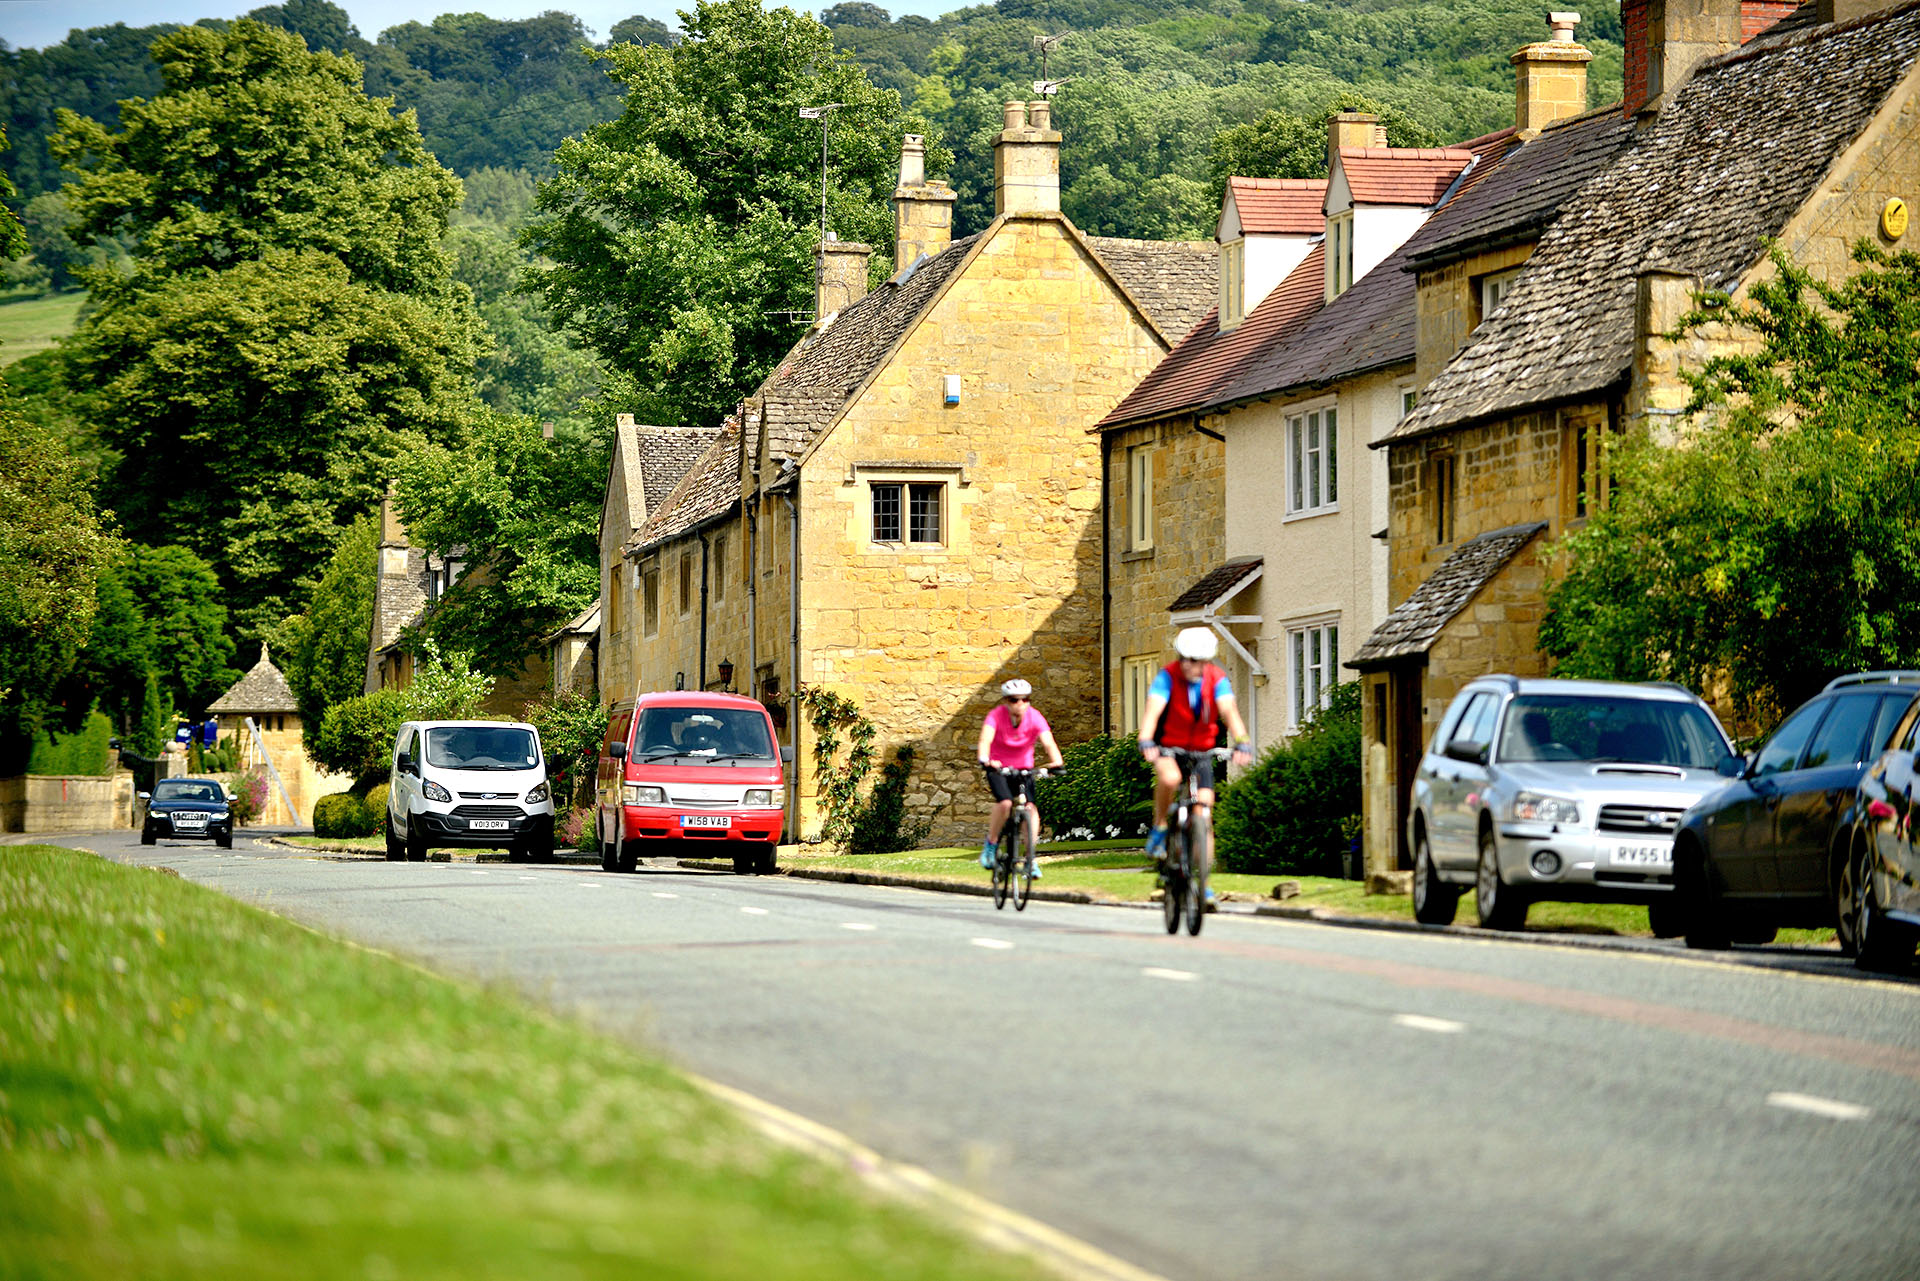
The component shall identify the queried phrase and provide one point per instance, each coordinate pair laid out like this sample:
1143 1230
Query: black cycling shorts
1200 770
1002 787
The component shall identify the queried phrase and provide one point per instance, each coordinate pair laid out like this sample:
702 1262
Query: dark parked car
188 809
1769 849
1879 891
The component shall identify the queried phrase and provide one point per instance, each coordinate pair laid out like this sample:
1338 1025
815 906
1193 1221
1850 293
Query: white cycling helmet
1016 688
1197 642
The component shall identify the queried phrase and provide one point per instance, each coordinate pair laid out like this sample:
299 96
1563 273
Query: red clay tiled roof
1280 206
1401 175
1209 359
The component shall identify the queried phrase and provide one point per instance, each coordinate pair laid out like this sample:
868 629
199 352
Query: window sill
1144 553
1310 512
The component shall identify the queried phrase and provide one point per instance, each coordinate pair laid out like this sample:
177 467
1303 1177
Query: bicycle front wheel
1199 860
1019 864
1001 864
1173 891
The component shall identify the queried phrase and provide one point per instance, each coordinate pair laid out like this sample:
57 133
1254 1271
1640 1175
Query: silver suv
1558 789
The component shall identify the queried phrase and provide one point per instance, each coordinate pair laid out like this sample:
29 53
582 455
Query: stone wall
1189 539
66 803
1448 304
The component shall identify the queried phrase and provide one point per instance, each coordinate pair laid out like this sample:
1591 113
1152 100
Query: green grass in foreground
1117 871
191 1088
28 325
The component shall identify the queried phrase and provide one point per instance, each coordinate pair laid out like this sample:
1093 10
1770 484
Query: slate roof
1401 175
1414 624
1280 206
1740 148
810 385
262 689
1534 180
1174 281
1217 584
710 488
1206 358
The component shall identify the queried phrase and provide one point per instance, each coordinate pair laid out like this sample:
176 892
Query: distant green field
28 325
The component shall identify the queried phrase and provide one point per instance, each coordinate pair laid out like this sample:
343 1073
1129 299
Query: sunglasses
1018 698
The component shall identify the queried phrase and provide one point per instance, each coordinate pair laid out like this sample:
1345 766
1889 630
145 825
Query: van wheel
624 858
416 843
396 848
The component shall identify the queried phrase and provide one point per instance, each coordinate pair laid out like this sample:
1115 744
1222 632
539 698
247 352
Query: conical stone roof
262 689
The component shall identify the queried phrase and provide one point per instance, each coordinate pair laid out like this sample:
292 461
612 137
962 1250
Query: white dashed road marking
1832 1109
1175 976
663 894
477 872
855 925
1423 1023
754 911
997 945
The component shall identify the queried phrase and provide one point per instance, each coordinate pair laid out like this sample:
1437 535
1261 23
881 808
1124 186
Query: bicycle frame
1006 875
1186 882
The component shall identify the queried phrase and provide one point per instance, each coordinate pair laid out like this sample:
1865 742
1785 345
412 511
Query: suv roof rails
1676 686
1893 677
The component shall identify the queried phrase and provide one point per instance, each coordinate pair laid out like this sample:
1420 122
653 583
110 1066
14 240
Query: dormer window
1339 254
1233 284
1495 288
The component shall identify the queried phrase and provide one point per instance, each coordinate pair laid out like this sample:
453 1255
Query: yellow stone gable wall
1448 306
1189 539
921 640
617 633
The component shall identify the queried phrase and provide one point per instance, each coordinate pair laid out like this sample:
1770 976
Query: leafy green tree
680 236
525 366
288 309
52 550
527 511
160 614
1281 144
356 734
1776 542
323 652
154 730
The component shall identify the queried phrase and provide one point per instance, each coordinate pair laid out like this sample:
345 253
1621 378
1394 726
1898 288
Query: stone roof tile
1217 584
262 689
665 455
1738 151
1417 621
1176 281
710 488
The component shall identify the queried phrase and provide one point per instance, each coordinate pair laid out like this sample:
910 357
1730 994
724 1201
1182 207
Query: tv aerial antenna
820 113
1046 86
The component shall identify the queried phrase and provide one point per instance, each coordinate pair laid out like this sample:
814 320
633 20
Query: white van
469 784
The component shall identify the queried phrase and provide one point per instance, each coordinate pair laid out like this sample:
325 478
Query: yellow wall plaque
1893 218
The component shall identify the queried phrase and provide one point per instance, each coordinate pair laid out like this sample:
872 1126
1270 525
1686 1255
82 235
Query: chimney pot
1040 114
1563 25
1014 116
913 160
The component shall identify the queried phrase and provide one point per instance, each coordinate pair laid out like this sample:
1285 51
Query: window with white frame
1313 463
1495 288
907 512
1409 399
1313 652
1136 676
1140 498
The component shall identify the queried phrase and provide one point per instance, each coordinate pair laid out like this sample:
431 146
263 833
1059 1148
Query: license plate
705 820
487 824
1642 855
189 820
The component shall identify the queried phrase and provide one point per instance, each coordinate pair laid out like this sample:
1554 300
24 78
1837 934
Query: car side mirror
405 764
145 796
1470 752
1731 766
617 750
786 753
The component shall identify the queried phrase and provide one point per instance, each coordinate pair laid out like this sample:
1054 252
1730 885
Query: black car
188 809
1770 848
1880 893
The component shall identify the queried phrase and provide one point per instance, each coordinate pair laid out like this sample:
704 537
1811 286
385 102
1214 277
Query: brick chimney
1842 10
840 278
1550 78
1352 129
1026 160
1666 39
922 209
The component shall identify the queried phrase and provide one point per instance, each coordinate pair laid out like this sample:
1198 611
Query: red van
686 767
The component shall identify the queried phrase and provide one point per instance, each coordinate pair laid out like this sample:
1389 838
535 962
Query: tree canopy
323 651
1777 542
679 238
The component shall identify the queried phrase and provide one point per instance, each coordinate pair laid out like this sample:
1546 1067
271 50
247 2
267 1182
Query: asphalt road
1272 1100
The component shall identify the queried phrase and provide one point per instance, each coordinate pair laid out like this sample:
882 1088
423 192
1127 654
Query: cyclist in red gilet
1189 700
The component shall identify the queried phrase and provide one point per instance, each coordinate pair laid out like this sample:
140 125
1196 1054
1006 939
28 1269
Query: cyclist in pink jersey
1006 742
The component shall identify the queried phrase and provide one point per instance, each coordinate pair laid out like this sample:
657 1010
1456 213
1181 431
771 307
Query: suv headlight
434 792
757 796
1532 807
537 795
217 815
635 794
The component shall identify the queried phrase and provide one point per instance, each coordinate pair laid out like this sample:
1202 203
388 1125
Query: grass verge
193 1088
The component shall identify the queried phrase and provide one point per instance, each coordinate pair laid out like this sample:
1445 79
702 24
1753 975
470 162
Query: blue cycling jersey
1162 687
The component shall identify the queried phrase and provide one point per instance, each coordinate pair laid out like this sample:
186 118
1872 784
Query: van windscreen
482 747
719 733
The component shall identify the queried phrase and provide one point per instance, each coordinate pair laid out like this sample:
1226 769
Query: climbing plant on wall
833 715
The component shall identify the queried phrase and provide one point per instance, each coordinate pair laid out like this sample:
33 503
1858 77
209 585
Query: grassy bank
28 325
193 1088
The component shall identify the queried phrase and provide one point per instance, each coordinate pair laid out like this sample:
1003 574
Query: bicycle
1013 866
1189 856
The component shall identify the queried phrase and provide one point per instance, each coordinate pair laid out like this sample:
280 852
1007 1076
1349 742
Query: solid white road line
997 945
1424 1023
1176 976
856 925
1832 1109
754 911
1006 1229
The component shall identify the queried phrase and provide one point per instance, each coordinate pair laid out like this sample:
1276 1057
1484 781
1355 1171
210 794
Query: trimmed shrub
1106 792
340 815
82 752
375 805
1296 808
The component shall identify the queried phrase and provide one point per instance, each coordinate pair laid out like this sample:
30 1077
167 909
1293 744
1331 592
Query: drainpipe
793 607
705 548
750 518
1106 584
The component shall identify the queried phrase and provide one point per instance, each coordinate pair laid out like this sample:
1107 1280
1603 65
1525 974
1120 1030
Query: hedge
1297 808
1106 792
341 814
